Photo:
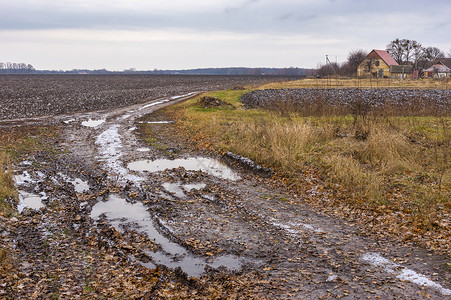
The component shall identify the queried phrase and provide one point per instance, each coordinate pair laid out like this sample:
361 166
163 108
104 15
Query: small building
403 72
377 63
439 68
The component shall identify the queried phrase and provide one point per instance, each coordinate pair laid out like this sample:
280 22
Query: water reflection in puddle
179 189
159 122
174 188
209 165
92 123
154 103
121 213
29 200
81 186
24 178
194 186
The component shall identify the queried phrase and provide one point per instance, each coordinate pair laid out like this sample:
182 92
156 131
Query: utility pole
328 62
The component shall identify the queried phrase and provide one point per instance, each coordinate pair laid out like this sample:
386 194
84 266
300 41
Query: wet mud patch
127 216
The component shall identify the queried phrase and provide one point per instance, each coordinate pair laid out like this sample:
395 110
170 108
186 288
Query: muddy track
113 202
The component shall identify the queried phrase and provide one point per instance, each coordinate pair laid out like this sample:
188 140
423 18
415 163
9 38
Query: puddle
121 213
179 189
81 186
93 123
23 178
110 146
403 273
209 197
181 96
195 266
309 227
29 200
174 188
209 165
159 122
292 227
166 100
193 186
155 103
26 163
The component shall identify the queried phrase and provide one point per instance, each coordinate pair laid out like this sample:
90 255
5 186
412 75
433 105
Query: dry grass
14 144
362 83
7 189
386 160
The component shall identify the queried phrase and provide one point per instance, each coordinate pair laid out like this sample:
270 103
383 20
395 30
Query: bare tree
410 47
355 58
403 51
16 68
419 54
433 53
329 69
396 50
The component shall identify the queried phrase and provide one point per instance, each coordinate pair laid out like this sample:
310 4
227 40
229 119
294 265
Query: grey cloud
247 3
296 17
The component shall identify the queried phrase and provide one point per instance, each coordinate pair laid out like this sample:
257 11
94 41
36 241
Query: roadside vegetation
7 190
15 144
391 165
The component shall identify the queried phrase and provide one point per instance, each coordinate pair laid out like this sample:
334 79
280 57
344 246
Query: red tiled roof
386 57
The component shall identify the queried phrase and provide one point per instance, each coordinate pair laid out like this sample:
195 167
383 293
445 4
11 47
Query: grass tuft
7 188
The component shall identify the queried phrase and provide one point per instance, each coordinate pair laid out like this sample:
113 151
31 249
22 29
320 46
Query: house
377 63
439 68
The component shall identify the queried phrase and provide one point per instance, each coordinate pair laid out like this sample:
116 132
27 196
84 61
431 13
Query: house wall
377 64
438 71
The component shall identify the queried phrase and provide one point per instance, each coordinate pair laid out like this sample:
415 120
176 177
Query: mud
115 225
25 96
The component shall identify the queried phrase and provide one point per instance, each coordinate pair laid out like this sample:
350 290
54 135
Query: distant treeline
241 71
16 68
21 68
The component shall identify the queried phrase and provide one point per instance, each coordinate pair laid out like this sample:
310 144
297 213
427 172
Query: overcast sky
182 34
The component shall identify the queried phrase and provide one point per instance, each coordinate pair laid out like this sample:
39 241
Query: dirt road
117 216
